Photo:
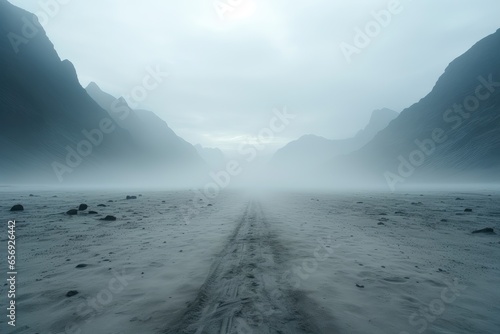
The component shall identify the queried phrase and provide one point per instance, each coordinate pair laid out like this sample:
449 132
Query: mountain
213 157
451 135
52 131
44 110
158 143
310 151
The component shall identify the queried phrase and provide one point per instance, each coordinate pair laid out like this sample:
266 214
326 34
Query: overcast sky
229 67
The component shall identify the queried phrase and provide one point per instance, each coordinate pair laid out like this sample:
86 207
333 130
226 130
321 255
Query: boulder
17 207
487 230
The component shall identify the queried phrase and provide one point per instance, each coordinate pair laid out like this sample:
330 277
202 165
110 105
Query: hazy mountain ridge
310 151
214 157
52 131
44 109
148 130
470 146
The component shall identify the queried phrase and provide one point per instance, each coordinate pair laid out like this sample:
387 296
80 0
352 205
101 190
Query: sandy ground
259 263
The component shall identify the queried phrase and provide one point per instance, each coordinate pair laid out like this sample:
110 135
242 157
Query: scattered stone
163 201
360 286
72 212
459 199
83 207
101 205
92 212
440 270
209 204
359 202
399 213
17 207
131 197
31 195
380 223
110 201
81 265
109 218
468 210
180 251
444 220
71 293
487 230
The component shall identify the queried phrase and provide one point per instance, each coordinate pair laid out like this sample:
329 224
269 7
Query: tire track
243 293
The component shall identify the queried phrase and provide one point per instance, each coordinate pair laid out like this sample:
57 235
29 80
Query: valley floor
175 262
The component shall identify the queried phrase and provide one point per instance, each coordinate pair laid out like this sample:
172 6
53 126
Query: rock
72 212
31 195
83 207
380 223
360 286
487 230
209 204
468 210
459 199
92 212
109 218
81 265
110 201
444 220
17 207
71 293
101 205
131 197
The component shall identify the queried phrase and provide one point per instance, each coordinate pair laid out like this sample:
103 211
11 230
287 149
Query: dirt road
245 291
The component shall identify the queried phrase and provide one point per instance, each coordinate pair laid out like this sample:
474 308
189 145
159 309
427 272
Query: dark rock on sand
101 205
109 218
487 230
380 223
459 199
92 212
71 293
17 207
81 265
72 212
83 207
360 286
468 210
131 197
